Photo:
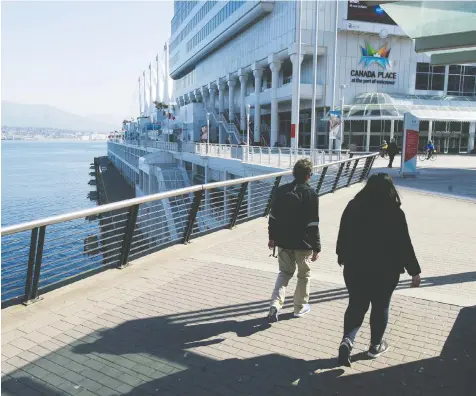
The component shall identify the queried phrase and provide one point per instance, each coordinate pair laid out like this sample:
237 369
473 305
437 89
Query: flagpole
334 77
145 97
313 112
157 94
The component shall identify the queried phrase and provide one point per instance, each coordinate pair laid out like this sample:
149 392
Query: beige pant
288 260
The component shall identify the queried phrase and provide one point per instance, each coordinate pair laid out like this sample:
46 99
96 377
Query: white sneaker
304 310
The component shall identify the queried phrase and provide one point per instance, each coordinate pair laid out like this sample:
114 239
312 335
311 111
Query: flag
165 47
149 66
157 58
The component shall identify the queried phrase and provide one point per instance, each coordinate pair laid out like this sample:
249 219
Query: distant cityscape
31 133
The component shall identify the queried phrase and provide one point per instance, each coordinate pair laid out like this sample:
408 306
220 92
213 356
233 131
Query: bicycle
424 156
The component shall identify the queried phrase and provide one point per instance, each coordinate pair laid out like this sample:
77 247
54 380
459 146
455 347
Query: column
212 90
258 74
392 129
231 96
472 134
243 81
206 104
221 108
367 142
295 99
430 130
275 66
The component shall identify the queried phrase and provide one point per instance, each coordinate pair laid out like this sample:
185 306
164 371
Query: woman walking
373 259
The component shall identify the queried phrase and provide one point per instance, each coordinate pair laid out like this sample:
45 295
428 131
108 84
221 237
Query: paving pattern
189 321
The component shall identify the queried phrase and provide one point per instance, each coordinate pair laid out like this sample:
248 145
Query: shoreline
55 140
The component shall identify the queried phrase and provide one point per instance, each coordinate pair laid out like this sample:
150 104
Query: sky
80 56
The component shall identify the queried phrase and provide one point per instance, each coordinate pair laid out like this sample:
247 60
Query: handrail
13 229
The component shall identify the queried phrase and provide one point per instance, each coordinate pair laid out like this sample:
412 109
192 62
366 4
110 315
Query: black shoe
345 349
377 350
273 315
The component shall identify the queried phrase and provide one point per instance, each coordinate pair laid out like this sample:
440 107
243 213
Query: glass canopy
382 106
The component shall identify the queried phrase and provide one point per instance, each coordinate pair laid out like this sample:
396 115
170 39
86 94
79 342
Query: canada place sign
379 57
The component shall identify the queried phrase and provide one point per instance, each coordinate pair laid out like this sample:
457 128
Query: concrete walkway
188 320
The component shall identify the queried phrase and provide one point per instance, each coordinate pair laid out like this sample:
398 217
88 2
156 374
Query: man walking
294 230
392 151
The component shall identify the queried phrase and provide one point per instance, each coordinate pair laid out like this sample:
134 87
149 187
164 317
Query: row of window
181 11
219 18
195 20
186 81
461 79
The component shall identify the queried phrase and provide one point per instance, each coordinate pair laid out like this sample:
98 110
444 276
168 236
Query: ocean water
42 179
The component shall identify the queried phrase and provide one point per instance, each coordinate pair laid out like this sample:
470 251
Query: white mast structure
166 76
150 90
140 98
157 92
316 47
145 97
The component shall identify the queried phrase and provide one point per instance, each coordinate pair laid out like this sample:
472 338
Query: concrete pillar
367 142
221 108
231 96
275 66
243 81
205 95
213 91
258 74
221 96
430 130
295 99
472 134
392 129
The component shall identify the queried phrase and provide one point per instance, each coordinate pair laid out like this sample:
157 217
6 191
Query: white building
225 56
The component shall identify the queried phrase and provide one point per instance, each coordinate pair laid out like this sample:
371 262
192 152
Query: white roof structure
445 30
383 106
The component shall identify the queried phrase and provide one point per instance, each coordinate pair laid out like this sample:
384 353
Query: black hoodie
375 238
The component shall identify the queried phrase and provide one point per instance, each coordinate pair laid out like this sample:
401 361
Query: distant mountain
45 116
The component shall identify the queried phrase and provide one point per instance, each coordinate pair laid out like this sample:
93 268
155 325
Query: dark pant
364 289
390 163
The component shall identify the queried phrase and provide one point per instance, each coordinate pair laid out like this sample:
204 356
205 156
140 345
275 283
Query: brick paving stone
196 326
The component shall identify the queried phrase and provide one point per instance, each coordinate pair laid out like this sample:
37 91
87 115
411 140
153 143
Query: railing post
367 167
241 195
339 172
271 195
39 257
351 155
352 172
128 234
321 180
31 262
279 157
197 199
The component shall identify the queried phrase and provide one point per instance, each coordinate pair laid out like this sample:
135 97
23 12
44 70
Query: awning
381 106
445 30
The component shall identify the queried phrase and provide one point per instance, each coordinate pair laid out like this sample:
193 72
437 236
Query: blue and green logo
370 56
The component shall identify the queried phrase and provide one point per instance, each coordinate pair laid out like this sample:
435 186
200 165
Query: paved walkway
188 321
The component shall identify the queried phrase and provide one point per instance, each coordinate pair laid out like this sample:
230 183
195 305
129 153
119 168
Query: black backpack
292 214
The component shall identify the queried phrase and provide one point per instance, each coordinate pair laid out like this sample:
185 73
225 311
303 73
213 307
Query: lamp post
208 130
340 138
248 114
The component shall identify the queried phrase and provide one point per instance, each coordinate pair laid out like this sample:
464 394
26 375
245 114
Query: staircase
230 128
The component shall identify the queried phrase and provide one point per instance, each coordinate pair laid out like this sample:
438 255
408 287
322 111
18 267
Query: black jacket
375 238
392 149
289 230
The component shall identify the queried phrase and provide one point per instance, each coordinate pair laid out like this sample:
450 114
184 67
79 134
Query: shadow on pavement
157 350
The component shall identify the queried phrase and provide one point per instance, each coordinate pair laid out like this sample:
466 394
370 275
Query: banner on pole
411 134
334 123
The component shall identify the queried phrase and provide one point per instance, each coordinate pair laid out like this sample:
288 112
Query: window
430 78
462 80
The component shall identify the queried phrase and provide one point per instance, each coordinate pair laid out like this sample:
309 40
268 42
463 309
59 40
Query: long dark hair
379 191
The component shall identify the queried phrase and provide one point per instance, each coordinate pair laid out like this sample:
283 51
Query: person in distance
392 151
294 230
373 260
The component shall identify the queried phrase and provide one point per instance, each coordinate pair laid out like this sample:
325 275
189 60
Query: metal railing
278 157
41 255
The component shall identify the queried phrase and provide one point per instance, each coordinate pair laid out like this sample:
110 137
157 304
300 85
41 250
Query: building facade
231 59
